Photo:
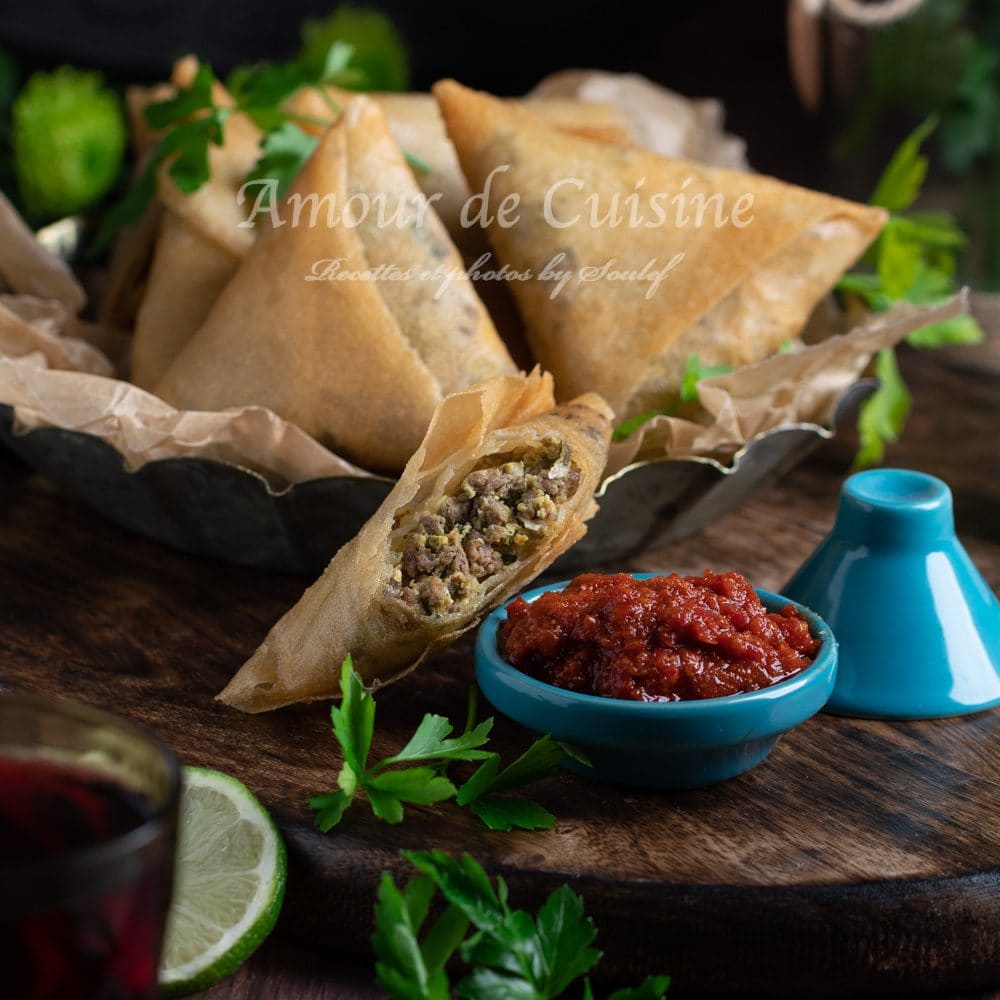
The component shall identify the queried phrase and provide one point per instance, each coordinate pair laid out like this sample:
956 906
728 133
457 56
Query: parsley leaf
509 952
353 49
185 103
482 792
884 413
564 936
354 719
899 185
632 424
957 330
389 787
429 742
694 372
403 968
504 812
185 146
416 785
651 988
186 150
914 260
283 154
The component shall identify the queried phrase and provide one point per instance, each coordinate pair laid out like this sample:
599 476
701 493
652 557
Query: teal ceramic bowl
666 745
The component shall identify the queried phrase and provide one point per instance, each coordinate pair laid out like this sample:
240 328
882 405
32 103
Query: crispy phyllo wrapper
187 275
665 257
501 485
358 358
415 122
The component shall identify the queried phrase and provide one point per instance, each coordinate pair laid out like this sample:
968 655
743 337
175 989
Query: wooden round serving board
860 857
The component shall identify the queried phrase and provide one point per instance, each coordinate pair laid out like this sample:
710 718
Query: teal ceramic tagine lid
918 628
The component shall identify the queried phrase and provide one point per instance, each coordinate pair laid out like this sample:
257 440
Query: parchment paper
802 386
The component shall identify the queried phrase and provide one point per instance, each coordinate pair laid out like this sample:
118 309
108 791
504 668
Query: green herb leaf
389 790
429 742
564 936
504 812
915 261
482 791
868 287
632 424
957 330
354 49
283 154
899 260
465 885
330 809
264 87
540 760
651 988
511 954
969 122
694 372
185 103
884 413
354 719
421 166
186 149
444 937
129 209
480 782
401 968
336 62
929 228
898 187
194 123
575 753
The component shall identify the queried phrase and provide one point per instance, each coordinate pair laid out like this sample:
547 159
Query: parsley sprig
509 952
192 122
389 787
913 260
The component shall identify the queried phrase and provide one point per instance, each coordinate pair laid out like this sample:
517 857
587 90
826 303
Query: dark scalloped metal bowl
211 508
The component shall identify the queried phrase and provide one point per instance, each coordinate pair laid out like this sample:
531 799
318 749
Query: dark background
876 85
735 51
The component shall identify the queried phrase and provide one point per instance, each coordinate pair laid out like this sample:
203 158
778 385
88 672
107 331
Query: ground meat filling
497 513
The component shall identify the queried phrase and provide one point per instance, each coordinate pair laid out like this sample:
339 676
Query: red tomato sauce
668 638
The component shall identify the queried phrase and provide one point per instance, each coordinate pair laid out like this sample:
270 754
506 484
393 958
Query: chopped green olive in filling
499 511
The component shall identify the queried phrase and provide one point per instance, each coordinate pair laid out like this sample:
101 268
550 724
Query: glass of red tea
88 817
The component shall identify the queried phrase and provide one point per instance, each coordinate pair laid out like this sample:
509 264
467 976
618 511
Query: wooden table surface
65 571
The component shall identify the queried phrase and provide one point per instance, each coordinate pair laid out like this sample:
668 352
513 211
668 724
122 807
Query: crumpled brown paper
661 120
800 387
144 428
795 388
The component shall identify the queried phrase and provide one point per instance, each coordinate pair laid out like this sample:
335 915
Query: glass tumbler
88 818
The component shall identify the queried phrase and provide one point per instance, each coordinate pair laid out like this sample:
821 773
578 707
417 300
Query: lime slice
228 886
